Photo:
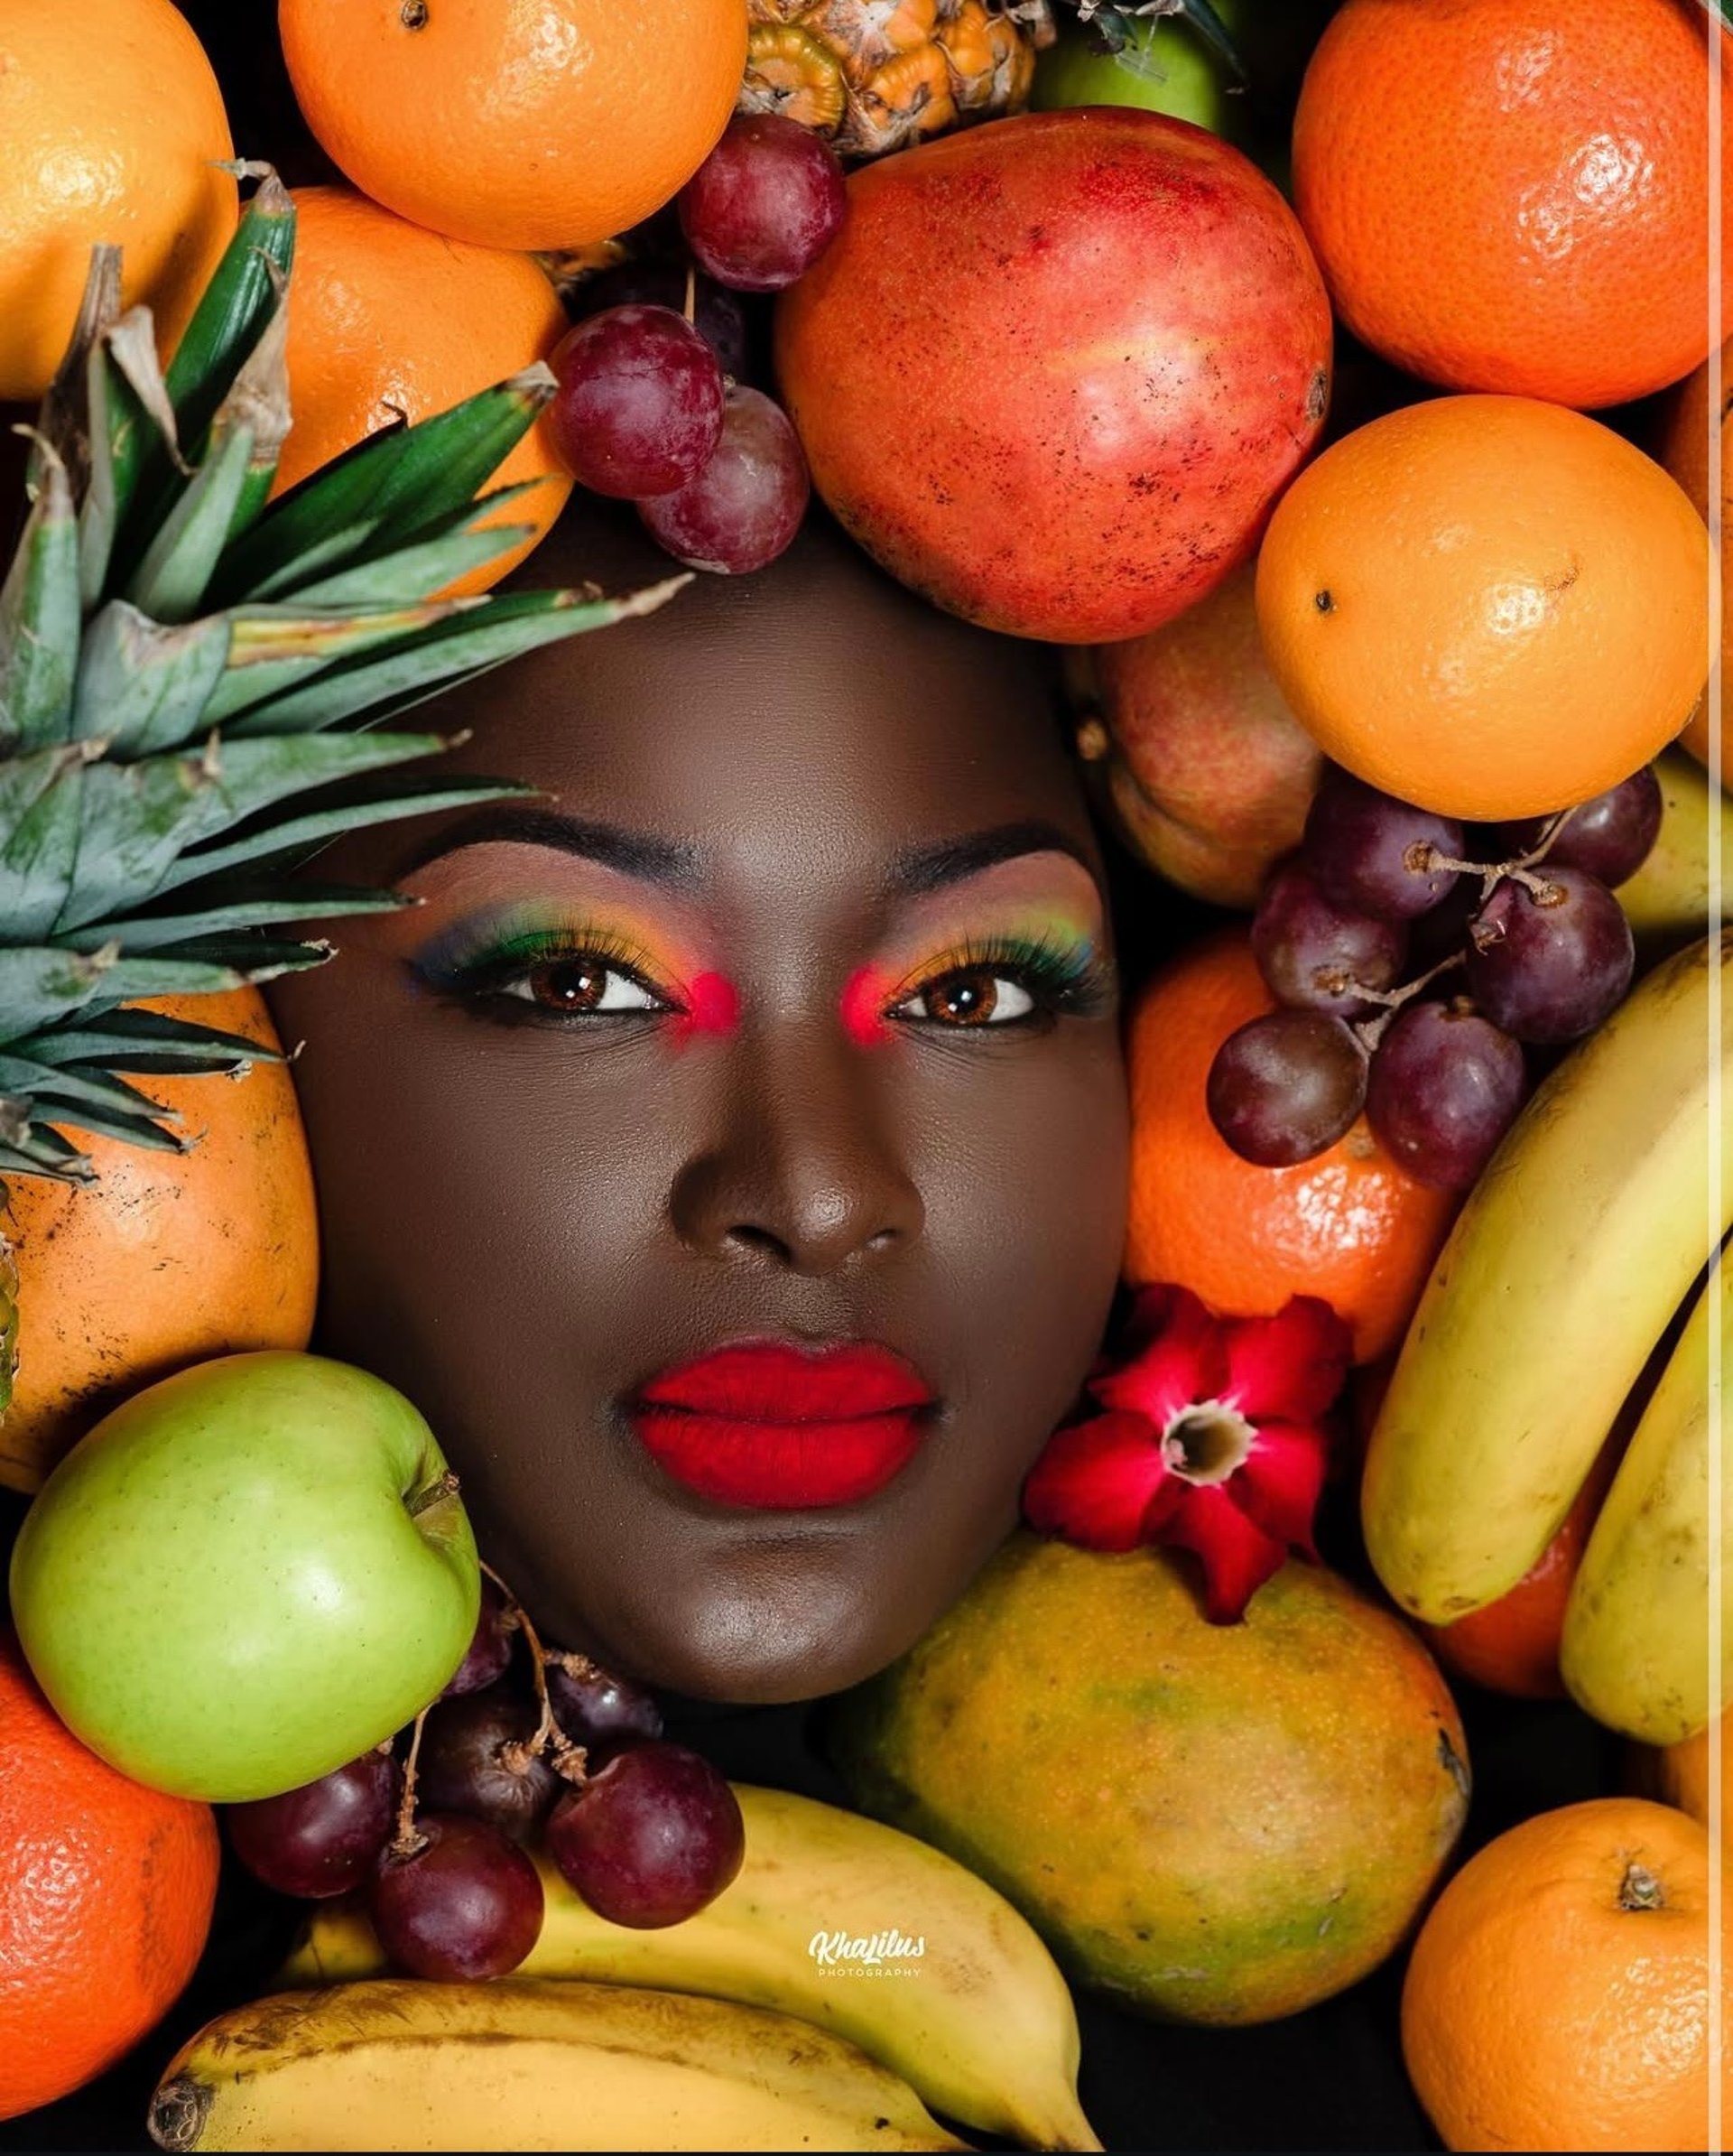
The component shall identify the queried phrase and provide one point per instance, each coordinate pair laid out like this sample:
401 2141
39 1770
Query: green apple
1165 67
246 1575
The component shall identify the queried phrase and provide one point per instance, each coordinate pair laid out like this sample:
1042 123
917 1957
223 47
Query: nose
806 1173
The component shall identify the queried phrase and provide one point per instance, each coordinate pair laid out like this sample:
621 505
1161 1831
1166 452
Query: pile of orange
106 1895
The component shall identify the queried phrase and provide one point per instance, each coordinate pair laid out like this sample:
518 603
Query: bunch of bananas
752 2025
1588 1251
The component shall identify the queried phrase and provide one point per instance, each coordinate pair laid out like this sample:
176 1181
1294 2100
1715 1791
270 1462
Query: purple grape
764 204
1373 853
323 1838
466 1906
1444 1087
1312 953
718 314
640 404
746 504
461 1769
600 1712
1284 1087
488 1654
1609 838
1550 968
651 1837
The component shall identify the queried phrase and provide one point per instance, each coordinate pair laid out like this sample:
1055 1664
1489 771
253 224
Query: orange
111 119
106 1894
386 318
1558 1994
170 1258
1488 606
1682 1775
543 123
1685 450
1512 1645
1515 198
1350 1225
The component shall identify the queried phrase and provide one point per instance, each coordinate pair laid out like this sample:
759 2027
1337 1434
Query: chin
769 1628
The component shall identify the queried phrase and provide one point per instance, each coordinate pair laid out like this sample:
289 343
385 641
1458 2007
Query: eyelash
483 979
1061 979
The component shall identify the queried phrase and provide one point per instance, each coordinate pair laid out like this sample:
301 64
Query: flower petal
1278 1483
1237 1556
1291 1365
1095 1481
1174 1356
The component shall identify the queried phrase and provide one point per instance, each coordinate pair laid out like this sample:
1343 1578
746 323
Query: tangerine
1558 1994
1516 198
170 1258
1484 649
113 129
389 319
1682 1775
547 124
106 1895
1349 1225
1512 1645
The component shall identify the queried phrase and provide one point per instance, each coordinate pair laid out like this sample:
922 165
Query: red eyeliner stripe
863 1008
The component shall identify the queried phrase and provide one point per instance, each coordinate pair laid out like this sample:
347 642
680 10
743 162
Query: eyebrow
913 873
634 852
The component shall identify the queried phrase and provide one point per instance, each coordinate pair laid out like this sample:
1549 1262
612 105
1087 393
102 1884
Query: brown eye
972 996
580 986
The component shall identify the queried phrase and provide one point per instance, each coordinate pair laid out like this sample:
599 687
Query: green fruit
246 1575
1218 1824
1165 67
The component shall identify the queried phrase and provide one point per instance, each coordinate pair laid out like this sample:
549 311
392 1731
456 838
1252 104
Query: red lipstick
766 1423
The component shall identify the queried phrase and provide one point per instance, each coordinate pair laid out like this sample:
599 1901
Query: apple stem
406 1842
690 308
435 1493
567 1759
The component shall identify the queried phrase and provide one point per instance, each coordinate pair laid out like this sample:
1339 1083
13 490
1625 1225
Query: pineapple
196 687
875 76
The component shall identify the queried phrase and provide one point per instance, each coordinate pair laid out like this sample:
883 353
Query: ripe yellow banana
526 2065
1667 900
1567 1264
980 2022
1636 1648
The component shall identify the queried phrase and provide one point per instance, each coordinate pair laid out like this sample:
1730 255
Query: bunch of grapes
1412 980
649 408
644 1830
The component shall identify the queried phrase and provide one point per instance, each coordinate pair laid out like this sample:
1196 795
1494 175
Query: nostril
745 1237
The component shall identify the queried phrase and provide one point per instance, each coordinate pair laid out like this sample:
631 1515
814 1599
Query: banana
1566 1265
1666 901
980 2022
526 2065
1636 1648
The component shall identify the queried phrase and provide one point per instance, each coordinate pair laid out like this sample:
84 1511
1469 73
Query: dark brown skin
523 1222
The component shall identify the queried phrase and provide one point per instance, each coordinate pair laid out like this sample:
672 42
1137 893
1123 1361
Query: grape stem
1369 1031
1517 869
567 1759
406 1842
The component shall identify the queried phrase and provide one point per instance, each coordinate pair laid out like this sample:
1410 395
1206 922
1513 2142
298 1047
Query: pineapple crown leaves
196 682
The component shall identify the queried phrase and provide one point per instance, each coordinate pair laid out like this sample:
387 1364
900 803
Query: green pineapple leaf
197 686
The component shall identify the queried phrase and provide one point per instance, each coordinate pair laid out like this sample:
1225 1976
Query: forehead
788 724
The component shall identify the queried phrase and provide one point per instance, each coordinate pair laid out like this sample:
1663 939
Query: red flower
1213 1438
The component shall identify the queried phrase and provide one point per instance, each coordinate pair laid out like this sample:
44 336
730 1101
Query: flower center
1206 1443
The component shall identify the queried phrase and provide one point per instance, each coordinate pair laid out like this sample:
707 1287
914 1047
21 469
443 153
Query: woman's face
727 1154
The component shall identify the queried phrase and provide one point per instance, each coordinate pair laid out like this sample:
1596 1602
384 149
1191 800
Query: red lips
765 1423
